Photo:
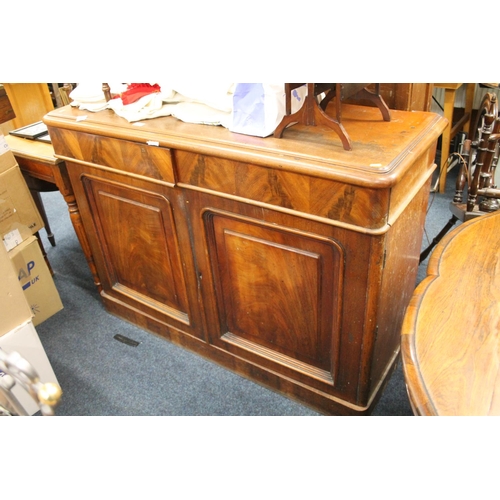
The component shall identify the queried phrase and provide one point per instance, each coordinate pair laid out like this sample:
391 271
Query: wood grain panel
279 289
411 184
402 247
345 203
36 169
261 304
451 330
140 159
141 253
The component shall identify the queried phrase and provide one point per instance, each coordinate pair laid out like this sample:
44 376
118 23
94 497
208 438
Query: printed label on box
4 147
12 239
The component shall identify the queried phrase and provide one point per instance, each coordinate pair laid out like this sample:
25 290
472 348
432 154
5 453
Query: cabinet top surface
381 151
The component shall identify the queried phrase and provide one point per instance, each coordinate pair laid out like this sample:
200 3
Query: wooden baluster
494 164
486 174
490 204
463 176
486 131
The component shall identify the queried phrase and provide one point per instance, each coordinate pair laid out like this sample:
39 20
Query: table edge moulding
277 258
450 334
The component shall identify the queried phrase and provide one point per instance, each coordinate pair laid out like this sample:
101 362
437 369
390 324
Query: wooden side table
39 164
35 157
450 90
37 161
451 332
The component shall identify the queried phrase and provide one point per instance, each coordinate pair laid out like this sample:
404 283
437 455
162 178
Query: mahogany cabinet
289 261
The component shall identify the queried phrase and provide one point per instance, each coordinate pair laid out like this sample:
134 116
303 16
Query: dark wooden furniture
289 261
313 113
450 335
478 160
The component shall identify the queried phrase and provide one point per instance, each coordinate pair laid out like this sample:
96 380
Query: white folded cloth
207 103
195 112
145 108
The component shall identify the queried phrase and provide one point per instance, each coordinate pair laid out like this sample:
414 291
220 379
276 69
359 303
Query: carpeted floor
102 376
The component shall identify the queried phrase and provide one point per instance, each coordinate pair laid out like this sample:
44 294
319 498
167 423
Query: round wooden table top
450 343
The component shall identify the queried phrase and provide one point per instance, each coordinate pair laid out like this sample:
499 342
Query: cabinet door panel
136 248
279 293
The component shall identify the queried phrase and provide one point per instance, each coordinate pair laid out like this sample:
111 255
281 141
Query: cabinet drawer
36 169
360 207
153 162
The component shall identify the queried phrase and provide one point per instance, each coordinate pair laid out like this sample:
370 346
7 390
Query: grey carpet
102 376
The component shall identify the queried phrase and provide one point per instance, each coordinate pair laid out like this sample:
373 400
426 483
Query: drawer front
153 162
36 169
334 201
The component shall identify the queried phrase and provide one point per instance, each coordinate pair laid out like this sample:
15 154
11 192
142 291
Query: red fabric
137 90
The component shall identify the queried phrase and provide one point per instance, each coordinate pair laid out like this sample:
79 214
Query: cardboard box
35 279
25 340
19 216
14 308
